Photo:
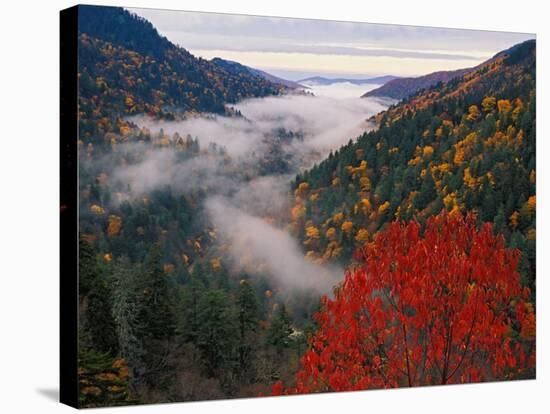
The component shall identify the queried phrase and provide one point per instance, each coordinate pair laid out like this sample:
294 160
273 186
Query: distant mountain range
319 80
400 88
239 68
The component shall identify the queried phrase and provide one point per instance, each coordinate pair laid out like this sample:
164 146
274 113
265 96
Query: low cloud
325 122
254 243
245 180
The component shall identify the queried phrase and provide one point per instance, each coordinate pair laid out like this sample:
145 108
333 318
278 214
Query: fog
326 120
340 90
243 195
253 241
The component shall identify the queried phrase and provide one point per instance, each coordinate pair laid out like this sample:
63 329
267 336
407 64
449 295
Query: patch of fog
341 90
253 241
237 207
325 122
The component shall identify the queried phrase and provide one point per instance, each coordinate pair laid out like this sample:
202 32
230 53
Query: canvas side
68 207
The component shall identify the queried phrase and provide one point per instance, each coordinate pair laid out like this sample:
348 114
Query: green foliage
124 61
126 309
156 314
248 318
217 331
280 330
437 150
103 380
96 302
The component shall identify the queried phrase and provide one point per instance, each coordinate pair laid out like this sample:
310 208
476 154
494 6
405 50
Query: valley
227 216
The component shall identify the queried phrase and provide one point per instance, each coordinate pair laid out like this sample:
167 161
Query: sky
299 48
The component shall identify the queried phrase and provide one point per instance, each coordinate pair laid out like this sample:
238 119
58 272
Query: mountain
275 79
134 69
400 88
404 87
319 80
238 67
466 145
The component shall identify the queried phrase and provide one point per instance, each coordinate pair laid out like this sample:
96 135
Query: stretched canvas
258 206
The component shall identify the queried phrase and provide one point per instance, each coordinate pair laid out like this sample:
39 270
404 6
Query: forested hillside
401 88
169 313
232 66
162 317
467 145
436 209
126 67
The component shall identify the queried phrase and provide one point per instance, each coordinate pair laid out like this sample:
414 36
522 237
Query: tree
156 320
247 306
426 194
126 309
280 330
435 307
97 317
103 380
189 320
217 332
156 314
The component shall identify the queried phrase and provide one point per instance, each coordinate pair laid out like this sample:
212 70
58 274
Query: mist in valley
243 171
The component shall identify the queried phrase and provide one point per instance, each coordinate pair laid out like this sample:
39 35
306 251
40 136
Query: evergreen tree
103 380
247 306
189 319
156 314
217 332
97 318
126 309
280 330
426 194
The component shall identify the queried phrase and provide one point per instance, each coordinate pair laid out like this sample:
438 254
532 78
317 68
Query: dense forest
165 317
162 317
466 145
128 68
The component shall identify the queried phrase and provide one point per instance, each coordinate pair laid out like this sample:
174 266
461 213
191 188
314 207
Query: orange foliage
347 226
115 225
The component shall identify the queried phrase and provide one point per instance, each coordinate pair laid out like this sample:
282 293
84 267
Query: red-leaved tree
435 306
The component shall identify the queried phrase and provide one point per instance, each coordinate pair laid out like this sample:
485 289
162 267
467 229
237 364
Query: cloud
254 243
248 146
245 182
324 122
160 168
281 43
237 135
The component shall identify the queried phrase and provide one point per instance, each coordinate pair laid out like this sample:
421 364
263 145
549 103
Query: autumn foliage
438 305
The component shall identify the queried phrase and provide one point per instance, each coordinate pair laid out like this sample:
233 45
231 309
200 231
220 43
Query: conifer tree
156 315
97 317
247 305
280 330
217 331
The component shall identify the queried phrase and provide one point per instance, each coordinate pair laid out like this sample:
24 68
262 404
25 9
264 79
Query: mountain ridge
136 70
321 80
237 66
401 88
467 145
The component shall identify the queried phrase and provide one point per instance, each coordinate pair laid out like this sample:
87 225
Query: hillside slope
400 88
126 67
237 67
467 145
